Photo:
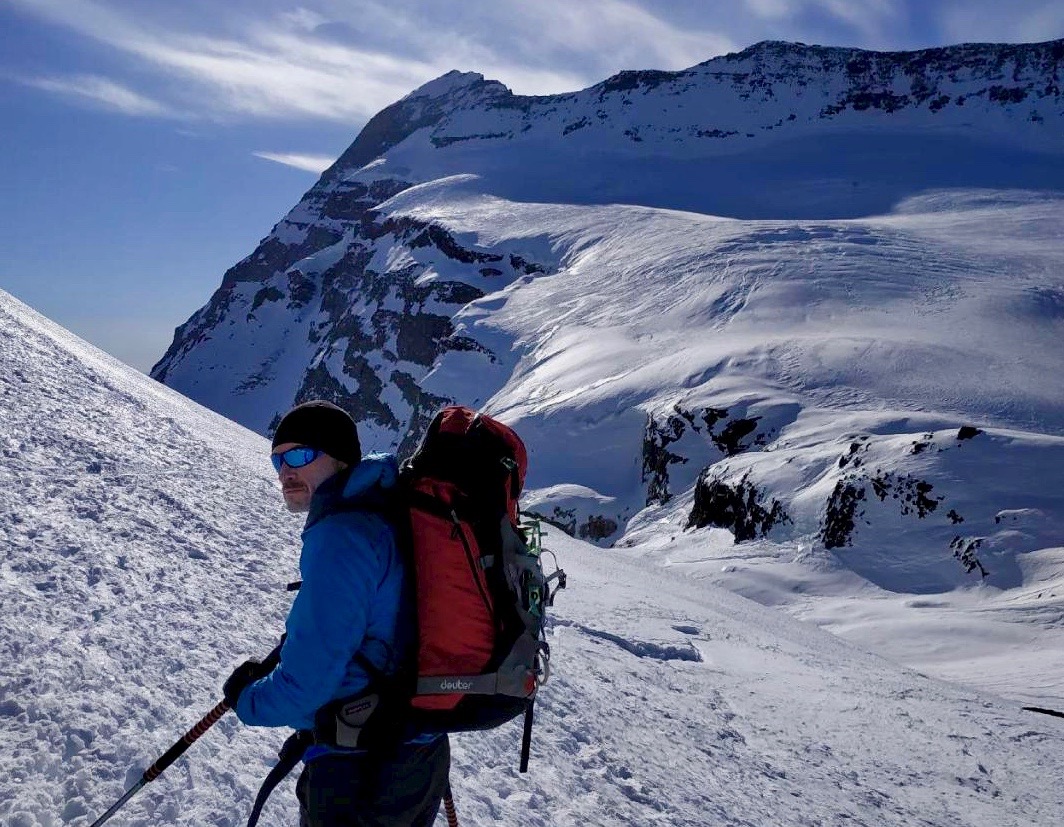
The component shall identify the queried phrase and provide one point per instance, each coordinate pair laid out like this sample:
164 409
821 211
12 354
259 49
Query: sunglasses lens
294 458
298 457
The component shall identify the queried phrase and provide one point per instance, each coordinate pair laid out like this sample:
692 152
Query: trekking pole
1052 712
167 758
448 807
182 744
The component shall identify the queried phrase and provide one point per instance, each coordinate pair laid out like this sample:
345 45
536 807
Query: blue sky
148 146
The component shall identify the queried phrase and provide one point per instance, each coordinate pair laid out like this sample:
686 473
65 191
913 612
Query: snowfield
145 553
782 333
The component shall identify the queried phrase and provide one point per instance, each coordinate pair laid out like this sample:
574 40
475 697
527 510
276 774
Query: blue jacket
353 599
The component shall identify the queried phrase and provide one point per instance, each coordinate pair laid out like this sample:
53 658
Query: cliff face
344 300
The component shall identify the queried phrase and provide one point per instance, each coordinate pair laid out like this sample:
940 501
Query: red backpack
481 599
481 590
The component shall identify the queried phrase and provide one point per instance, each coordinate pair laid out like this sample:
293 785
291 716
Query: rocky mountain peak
457 84
426 106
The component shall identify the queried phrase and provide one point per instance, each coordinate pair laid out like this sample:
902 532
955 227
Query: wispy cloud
870 19
274 68
346 61
102 93
617 33
310 163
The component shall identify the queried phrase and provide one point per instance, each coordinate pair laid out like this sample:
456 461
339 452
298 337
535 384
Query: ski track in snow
145 553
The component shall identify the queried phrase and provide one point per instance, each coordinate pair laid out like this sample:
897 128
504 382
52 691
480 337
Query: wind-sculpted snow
145 552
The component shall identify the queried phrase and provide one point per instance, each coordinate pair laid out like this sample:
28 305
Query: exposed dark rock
561 518
350 201
921 445
363 404
425 406
739 507
466 344
911 493
968 432
436 236
301 289
954 517
845 505
711 416
440 141
729 439
657 458
852 455
420 335
266 294
1003 94
939 103
645 79
524 266
843 510
597 528
964 550
575 125
446 292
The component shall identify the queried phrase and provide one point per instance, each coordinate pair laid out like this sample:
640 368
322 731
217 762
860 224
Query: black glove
243 676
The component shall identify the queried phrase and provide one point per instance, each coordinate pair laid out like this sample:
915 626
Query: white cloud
102 93
310 163
304 19
275 64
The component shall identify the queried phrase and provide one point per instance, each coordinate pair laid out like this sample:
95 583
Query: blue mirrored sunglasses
295 457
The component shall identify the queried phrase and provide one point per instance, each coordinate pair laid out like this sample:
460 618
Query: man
350 624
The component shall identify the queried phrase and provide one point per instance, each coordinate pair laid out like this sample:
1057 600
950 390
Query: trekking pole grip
186 740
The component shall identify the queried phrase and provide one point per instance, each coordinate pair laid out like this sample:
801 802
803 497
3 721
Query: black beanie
324 426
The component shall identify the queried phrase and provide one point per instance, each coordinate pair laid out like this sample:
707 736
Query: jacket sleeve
342 567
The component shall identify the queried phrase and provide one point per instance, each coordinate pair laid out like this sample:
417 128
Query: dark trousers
401 789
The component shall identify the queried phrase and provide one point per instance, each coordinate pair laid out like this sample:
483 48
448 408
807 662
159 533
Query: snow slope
145 553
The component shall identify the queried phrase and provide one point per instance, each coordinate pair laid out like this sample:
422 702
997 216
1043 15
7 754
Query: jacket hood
366 485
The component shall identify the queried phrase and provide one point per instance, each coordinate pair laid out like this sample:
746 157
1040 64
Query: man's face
299 484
